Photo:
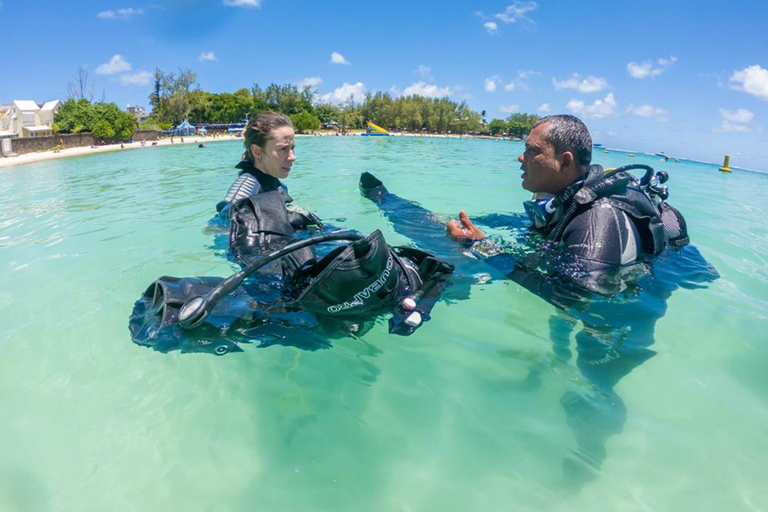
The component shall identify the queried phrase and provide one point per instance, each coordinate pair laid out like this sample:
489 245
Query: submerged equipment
343 290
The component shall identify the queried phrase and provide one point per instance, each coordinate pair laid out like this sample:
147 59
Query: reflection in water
615 334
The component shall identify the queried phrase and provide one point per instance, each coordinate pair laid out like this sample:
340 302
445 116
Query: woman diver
341 293
257 205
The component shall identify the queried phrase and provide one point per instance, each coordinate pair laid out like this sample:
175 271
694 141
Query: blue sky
688 78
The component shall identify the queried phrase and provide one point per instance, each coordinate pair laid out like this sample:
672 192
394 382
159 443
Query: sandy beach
42 156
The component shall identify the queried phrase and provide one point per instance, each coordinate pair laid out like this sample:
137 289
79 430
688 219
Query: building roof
26 105
51 105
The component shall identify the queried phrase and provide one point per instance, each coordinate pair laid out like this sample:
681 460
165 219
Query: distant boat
597 145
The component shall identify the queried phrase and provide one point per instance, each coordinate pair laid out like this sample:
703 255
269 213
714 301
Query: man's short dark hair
568 133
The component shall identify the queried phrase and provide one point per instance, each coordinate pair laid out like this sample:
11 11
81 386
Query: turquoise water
466 414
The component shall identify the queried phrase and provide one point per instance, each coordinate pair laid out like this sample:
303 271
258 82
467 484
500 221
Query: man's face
539 163
277 157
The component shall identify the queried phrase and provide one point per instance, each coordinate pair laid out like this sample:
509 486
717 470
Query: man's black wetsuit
606 238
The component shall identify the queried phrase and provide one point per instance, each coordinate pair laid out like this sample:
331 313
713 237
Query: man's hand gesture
467 230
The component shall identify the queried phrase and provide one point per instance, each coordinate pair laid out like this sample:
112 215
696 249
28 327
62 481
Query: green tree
304 122
125 126
75 116
229 107
497 126
518 128
199 103
520 124
326 113
103 130
170 97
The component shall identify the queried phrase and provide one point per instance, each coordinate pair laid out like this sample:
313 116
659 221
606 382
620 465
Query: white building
25 118
48 110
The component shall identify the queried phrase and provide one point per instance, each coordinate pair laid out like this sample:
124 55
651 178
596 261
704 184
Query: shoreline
31 158
43 156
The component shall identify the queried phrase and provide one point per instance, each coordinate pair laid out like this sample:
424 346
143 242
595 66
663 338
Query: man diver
604 221
594 236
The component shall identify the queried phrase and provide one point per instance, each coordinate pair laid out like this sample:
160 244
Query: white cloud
492 82
120 14
520 81
117 64
427 90
509 109
600 109
741 115
648 111
424 71
731 127
337 58
752 80
491 27
649 69
138 78
243 3
312 81
207 56
586 85
356 91
517 11
544 108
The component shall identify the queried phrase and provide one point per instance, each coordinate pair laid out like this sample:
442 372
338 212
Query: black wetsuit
607 240
256 207
250 181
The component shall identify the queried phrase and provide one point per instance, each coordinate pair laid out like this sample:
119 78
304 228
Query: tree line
177 96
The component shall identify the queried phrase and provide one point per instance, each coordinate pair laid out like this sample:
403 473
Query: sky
689 78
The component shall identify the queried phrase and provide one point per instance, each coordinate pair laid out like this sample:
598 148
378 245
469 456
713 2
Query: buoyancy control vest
644 200
262 222
346 290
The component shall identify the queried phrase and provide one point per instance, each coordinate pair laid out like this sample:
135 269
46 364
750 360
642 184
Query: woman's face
277 156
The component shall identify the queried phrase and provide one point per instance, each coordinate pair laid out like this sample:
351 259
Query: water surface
469 413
